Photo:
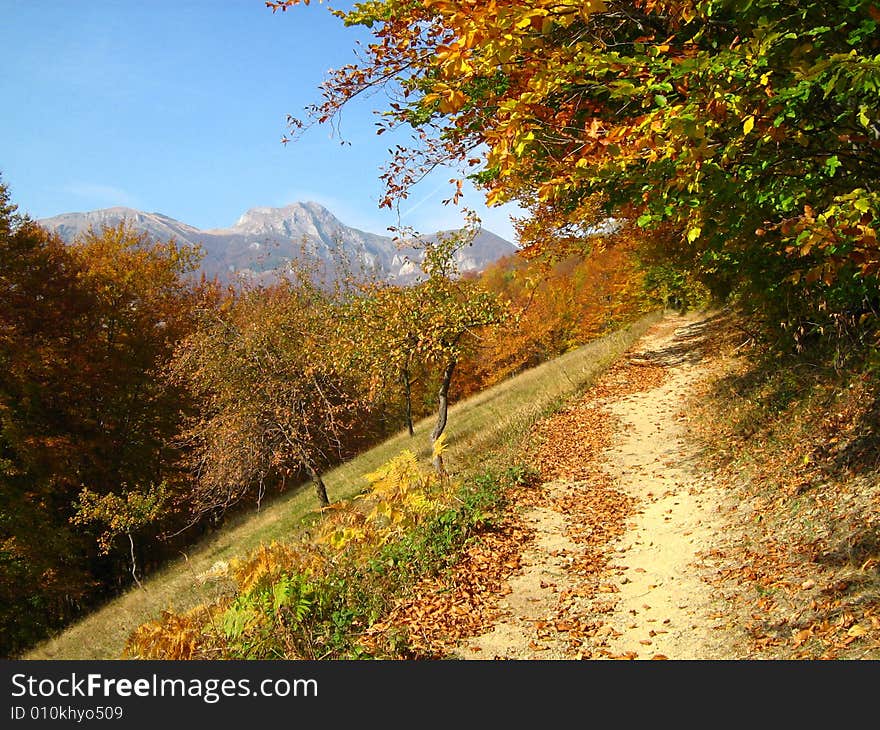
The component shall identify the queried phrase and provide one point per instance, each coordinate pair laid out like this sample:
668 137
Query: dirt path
622 523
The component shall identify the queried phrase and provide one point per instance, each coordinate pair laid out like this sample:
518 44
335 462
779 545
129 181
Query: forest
669 154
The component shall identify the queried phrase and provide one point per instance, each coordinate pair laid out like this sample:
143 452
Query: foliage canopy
749 130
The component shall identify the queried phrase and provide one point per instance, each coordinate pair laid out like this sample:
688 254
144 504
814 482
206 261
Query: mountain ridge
263 239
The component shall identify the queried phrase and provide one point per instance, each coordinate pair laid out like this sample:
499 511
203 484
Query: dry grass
484 429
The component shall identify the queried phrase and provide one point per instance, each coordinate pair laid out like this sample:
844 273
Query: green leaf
832 163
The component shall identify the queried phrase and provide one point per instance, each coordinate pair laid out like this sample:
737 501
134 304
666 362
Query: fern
439 447
311 598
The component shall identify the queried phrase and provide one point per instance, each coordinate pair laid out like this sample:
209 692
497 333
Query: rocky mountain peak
263 239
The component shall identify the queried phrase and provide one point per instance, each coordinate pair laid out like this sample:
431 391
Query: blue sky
179 106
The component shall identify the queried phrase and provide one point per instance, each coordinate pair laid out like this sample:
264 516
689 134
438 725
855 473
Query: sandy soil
647 599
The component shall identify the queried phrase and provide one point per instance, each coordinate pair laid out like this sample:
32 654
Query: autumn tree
448 318
750 131
453 313
386 338
425 327
122 514
84 331
558 303
278 396
41 302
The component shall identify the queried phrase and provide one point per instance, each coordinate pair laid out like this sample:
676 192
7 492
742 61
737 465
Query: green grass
483 430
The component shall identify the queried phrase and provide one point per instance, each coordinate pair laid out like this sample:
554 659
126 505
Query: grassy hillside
483 429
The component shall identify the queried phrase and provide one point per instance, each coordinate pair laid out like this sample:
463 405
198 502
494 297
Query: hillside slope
680 510
481 429
660 532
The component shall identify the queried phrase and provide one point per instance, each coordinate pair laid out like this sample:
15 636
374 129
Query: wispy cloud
441 217
101 196
430 197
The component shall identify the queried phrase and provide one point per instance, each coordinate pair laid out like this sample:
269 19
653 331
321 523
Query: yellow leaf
452 101
591 6
749 124
439 446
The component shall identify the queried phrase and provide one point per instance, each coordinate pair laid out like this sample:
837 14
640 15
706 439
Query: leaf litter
546 580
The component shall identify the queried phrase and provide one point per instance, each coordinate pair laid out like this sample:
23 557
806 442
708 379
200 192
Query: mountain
263 239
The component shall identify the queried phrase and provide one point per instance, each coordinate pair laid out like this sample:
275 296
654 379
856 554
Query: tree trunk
442 409
320 489
133 560
407 392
